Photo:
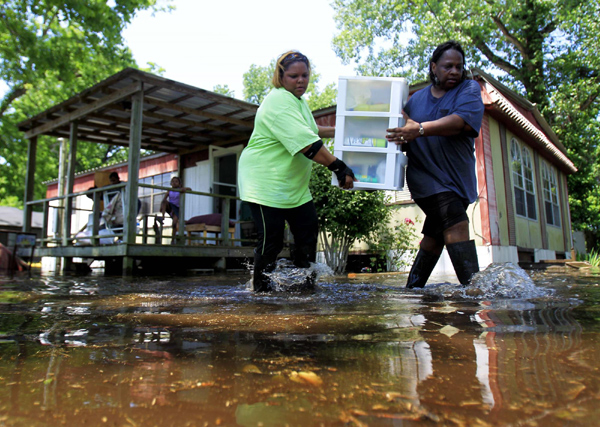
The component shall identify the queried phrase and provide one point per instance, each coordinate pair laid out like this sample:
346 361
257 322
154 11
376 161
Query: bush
393 245
344 216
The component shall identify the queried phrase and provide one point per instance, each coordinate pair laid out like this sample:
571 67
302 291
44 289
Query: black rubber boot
303 256
260 281
421 269
464 259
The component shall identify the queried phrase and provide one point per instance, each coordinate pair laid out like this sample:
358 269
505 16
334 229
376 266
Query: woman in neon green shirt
275 167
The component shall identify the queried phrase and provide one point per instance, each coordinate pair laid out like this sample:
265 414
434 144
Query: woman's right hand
406 133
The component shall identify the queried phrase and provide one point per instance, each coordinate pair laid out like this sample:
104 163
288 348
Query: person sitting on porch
112 215
170 203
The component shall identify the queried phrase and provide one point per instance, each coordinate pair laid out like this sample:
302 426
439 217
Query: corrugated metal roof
177 118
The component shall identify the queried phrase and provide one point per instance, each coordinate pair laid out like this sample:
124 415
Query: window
152 197
550 189
524 188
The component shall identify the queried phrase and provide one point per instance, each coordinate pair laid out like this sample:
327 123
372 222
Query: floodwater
205 351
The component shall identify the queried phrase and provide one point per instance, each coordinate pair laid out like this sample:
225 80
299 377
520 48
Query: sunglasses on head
294 56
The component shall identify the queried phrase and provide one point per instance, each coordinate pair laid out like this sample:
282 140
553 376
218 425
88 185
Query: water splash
288 278
498 280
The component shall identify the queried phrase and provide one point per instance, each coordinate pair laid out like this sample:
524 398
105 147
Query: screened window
524 188
550 188
152 197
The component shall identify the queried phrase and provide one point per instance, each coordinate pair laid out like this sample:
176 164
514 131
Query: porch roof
177 118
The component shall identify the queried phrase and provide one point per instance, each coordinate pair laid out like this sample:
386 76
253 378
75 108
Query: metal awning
177 118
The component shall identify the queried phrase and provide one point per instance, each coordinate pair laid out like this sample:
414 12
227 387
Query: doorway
224 177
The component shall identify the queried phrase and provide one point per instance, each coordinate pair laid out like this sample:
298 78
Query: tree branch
48 22
589 101
549 28
495 59
13 94
512 39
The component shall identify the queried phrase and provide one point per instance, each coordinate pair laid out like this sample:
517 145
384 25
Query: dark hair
284 62
113 175
439 51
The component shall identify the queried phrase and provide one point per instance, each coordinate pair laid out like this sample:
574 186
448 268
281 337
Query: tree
224 90
344 216
257 82
49 51
545 50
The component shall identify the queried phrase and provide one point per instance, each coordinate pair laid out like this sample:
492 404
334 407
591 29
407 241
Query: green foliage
344 216
392 244
545 50
257 82
49 51
593 257
322 99
224 90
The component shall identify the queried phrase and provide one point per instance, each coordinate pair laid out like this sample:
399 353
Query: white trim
505 106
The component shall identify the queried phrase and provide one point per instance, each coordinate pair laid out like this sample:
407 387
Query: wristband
341 170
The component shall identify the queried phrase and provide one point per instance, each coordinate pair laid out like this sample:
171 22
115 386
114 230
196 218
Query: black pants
270 225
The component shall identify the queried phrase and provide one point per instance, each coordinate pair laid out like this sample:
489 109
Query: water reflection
171 351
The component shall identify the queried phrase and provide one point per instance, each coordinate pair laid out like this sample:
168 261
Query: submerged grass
593 257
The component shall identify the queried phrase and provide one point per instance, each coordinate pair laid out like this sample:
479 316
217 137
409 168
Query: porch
155 248
142 111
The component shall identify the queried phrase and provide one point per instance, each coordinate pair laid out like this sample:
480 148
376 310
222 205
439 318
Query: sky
205 43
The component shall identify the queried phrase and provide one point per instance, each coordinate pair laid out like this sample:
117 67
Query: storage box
366 107
375 171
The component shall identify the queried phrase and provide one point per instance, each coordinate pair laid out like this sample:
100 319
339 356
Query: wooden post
181 220
45 224
72 158
59 210
96 217
68 211
225 222
29 184
131 189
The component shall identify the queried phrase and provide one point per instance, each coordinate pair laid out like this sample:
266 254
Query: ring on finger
401 138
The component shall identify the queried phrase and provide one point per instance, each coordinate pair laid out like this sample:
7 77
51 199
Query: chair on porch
205 224
113 215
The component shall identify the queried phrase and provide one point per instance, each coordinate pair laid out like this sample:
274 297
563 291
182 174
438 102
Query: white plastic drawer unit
366 107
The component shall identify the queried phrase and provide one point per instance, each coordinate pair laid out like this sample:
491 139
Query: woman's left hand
404 134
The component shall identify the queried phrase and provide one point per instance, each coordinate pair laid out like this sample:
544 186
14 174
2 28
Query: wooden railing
64 206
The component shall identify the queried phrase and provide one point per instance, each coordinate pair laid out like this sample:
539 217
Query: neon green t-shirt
272 171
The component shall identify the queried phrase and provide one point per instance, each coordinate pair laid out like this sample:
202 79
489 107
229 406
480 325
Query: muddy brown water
204 351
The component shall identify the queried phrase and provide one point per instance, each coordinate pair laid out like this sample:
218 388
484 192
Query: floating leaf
573 390
251 369
306 378
449 330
